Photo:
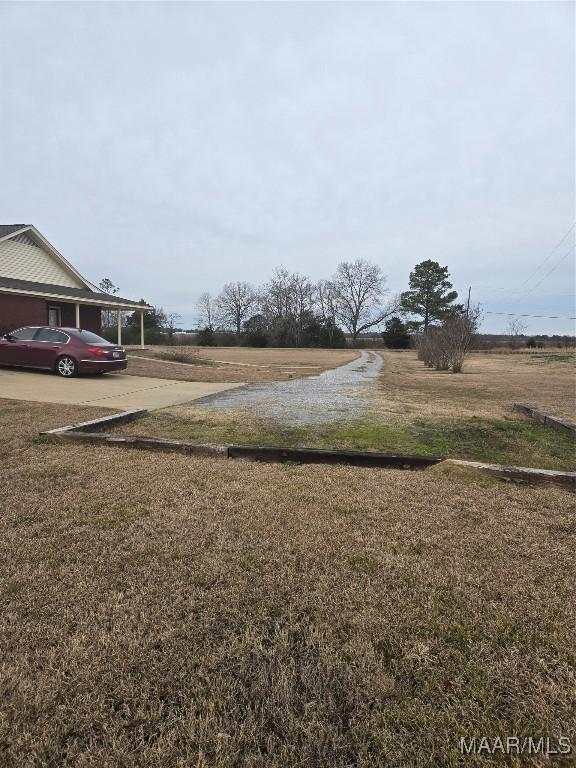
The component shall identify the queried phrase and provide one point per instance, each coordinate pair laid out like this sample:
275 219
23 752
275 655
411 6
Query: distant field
491 382
158 610
233 364
418 410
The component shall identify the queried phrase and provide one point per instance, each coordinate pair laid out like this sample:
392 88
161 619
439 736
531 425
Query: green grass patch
547 358
500 441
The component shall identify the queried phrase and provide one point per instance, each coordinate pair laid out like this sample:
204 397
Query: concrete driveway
115 391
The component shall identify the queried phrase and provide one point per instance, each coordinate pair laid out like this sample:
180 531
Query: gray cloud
173 146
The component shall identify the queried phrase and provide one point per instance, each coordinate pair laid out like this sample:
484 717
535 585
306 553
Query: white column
77 315
142 329
119 320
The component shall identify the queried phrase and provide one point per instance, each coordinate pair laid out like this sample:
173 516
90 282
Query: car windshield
89 337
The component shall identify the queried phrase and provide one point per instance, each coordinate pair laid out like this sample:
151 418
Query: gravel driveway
339 394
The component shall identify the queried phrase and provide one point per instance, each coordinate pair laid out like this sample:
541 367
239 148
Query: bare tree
286 300
206 311
277 296
359 291
234 304
303 302
516 328
108 315
171 323
326 300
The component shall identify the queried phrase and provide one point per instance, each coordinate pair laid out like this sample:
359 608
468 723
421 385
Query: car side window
49 334
24 334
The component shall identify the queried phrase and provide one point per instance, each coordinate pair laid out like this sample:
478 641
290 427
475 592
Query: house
38 286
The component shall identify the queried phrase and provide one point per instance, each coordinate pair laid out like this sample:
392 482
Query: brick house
38 286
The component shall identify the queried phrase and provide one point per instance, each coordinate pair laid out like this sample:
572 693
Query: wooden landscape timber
248 452
520 474
104 421
545 418
265 453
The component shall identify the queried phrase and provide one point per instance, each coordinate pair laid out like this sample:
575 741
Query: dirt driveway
337 394
114 391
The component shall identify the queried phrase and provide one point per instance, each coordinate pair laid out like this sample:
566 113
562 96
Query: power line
513 290
568 252
517 314
552 252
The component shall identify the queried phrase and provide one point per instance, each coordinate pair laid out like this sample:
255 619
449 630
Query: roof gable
25 254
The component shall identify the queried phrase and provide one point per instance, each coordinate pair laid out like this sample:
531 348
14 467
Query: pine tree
430 296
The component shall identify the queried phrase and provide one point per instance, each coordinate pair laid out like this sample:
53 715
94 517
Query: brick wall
91 319
21 310
16 311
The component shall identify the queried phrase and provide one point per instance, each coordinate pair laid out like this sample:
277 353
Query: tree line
289 309
292 310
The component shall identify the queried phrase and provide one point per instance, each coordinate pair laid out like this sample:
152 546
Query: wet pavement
342 393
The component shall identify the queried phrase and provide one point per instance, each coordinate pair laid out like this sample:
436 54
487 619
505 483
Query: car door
47 346
16 346
6 350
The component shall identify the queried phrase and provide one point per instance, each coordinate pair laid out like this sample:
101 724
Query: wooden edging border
520 474
546 418
101 423
81 432
249 452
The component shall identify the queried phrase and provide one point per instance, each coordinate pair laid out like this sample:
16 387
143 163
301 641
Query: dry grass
234 364
487 388
161 611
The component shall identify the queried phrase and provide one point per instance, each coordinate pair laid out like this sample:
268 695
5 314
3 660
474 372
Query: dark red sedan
67 351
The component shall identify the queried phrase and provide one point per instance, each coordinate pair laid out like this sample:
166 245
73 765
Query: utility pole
468 302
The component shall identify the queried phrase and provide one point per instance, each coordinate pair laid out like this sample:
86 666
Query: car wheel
66 367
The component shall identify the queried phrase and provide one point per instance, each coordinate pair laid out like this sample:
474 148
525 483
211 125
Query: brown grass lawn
168 612
230 364
487 388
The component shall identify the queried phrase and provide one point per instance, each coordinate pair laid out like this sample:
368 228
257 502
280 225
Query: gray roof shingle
63 290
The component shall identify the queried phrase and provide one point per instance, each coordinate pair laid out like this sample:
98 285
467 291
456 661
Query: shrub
395 335
206 338
225 339
444 347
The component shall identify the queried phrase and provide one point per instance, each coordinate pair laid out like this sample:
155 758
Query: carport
24 302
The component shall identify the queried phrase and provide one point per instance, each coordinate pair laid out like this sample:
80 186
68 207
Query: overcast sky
176 146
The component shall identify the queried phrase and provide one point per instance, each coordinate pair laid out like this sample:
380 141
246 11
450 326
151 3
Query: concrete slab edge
545 418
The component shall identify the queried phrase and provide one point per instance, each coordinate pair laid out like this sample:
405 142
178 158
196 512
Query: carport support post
119 320
77 315
141 329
